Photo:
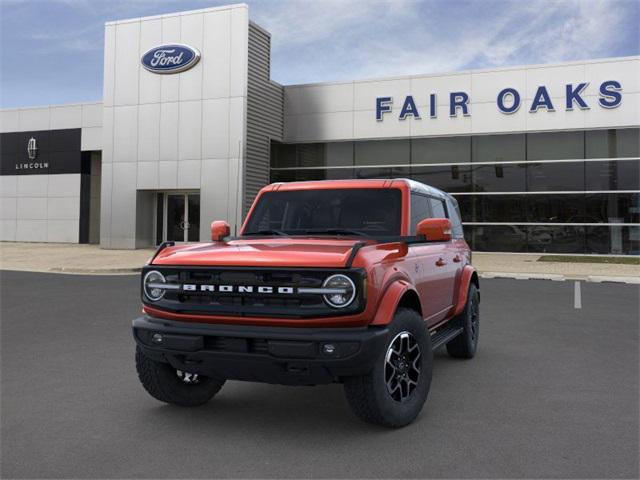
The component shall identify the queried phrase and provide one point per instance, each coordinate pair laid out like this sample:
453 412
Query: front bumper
283 355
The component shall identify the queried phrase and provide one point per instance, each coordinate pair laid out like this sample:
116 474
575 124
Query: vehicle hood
270 252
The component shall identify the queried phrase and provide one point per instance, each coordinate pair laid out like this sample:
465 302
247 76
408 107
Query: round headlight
151 282
340 291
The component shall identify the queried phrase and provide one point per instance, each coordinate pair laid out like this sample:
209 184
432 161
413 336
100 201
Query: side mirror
435 229
219 230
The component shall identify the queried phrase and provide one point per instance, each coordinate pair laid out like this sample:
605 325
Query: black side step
445 335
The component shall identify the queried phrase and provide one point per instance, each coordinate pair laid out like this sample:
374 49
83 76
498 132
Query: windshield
367 212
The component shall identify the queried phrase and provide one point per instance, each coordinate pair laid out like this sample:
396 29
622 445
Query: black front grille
226 299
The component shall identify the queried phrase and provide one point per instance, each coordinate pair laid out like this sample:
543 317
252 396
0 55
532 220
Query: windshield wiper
336 231
267 232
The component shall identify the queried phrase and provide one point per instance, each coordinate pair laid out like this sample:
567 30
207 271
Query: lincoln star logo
32 154
191 287
172 58
32 148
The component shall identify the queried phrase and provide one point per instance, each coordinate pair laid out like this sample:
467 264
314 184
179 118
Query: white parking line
577 295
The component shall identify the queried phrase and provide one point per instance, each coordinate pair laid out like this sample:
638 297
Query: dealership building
541 158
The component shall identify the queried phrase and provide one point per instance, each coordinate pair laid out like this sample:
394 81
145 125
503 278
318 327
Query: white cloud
332 39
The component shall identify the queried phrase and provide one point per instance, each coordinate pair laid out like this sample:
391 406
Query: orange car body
432 277
259 306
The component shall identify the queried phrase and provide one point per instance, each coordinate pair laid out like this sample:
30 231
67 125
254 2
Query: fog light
157 338
329 348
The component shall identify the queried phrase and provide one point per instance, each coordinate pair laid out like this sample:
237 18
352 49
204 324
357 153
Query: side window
454 215
419 211
437 207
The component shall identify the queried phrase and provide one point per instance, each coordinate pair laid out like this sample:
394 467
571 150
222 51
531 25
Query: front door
182 217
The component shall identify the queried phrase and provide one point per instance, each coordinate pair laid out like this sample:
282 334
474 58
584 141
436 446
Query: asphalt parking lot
553 392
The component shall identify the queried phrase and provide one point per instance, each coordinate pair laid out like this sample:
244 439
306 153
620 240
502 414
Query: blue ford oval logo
172 58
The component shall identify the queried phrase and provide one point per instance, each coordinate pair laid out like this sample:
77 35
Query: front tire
165 383
393 393
466 344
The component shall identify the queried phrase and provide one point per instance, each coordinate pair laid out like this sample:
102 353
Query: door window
419 211
437 208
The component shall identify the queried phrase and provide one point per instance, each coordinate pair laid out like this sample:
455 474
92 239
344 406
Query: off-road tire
466 344
163 383
368 395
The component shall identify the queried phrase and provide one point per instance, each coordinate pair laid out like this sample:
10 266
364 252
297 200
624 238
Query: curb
600 279
561 278
524 276
94 271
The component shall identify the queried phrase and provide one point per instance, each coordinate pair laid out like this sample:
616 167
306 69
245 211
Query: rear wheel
465 344
165 383
393 392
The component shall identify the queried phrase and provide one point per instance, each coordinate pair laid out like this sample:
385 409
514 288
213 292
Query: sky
51 51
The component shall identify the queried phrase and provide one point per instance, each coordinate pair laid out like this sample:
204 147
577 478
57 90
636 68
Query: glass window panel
555 239
194 217
382 152
297 175
555 145
339 154
420 209
556 208
613 207
310 154
311 174
497 238
499 178
613 240
441 150
159 217
395 172
283 155
545 177
613 143
499 208
175 218
450 178
613 175
499 148
438 209
454 216
466 205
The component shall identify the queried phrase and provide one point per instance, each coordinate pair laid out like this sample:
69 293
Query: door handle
441 262
457 259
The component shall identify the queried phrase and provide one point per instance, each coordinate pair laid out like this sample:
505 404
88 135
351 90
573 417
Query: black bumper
289 356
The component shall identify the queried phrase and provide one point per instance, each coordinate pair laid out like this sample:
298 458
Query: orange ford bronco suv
349 281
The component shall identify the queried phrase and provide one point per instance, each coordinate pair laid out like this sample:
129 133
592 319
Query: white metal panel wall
178 131
46 208
346 110
40 208
86 116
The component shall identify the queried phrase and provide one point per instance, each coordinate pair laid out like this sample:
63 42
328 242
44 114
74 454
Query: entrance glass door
182 218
